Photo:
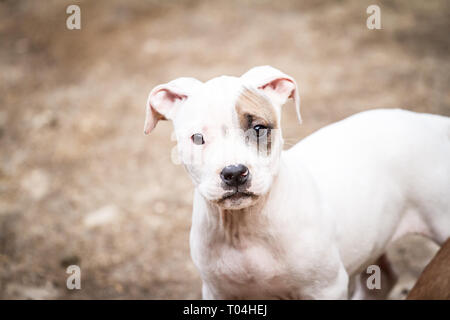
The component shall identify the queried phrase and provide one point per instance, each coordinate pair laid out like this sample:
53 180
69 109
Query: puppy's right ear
165 99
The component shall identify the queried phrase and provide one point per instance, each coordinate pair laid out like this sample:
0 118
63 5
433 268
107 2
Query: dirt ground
80 183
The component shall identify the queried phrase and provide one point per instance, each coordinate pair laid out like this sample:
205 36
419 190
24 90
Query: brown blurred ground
80 183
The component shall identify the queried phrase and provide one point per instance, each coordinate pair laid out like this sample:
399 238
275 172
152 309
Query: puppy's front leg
328 279
336 289
206 293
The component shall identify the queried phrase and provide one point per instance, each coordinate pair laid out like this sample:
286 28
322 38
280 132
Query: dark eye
260 130
197 138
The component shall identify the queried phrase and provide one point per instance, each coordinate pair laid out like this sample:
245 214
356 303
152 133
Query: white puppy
302 223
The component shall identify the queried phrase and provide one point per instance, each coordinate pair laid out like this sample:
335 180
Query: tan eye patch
252 108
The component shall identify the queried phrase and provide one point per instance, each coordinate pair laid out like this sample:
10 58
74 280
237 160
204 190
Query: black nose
234 175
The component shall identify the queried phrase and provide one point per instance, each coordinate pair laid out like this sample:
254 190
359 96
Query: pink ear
161 104
276 85
164 100
280 89
151 119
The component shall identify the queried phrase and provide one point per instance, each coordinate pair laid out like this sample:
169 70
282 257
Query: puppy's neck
234 226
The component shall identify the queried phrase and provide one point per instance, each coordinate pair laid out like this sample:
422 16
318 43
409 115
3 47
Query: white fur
326 208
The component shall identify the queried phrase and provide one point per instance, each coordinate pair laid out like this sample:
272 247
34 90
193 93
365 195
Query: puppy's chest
250 271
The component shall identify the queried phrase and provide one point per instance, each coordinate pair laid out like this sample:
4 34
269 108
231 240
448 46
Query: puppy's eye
197 138
261 131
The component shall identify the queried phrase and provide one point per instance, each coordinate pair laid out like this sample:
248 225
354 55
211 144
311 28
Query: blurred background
80 183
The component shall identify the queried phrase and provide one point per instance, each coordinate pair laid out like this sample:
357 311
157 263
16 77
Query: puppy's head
228 131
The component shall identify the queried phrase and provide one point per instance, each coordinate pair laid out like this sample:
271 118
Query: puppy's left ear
277 85
164 100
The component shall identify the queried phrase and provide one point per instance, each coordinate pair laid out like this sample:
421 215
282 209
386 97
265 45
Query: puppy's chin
237 201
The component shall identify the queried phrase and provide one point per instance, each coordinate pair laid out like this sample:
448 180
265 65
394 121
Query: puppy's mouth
236 198
236 195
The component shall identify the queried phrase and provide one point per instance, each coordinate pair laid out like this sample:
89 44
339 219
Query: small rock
36 184
102 216
45 119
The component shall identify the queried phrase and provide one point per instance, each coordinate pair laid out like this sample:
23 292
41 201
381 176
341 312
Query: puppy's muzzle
235 175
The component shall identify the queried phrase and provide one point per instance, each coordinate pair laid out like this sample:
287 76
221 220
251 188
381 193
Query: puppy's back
374 167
